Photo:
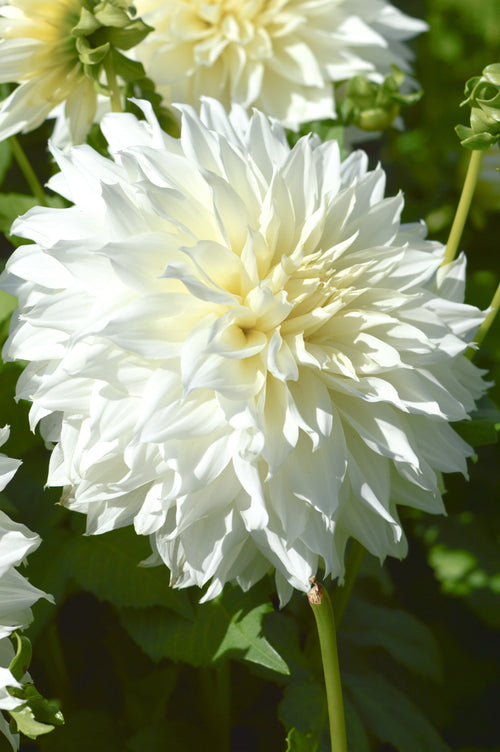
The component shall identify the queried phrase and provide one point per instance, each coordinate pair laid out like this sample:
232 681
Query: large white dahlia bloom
278 55
238 348
17 595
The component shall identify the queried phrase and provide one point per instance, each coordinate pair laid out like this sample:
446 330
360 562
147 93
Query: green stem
27 170
114 89
475 161
354 559
485 326
325 622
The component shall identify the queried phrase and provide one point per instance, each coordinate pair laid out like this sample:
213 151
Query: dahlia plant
247 361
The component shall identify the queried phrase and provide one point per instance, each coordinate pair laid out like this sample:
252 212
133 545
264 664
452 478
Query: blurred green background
451 578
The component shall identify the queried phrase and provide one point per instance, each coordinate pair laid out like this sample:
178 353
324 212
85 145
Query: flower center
218 24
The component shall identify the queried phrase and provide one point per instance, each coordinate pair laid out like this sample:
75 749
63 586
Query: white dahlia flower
278 55
238 348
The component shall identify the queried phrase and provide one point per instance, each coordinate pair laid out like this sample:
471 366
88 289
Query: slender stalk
485 326
354 559
325 622
457 227
27 170
114 89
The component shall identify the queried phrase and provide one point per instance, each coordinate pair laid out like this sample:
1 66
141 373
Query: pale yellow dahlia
54 50
239 349
278 55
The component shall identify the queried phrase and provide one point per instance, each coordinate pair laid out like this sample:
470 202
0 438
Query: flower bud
374 107
483 97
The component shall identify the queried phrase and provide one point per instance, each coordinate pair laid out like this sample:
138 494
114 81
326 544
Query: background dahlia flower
17 595
56 51
36 51
279 55
238 348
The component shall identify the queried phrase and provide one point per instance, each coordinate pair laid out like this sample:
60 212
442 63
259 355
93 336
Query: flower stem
27 170
114 89
485 326
354 559
475 161
325 622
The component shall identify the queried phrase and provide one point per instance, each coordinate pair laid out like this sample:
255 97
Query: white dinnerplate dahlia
278 55
239 349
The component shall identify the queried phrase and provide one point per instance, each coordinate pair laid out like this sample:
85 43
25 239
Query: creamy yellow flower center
219 23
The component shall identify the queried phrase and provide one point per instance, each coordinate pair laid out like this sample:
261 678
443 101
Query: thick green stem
27 170
353 562
325 622
475 161
114 89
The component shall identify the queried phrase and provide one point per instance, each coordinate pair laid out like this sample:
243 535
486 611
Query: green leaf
8 304
391 716
130 70
12 205
304 709
483 426
244 631
284 634
357 738
28 725
125 39
299 742
108 566
401 634
228 626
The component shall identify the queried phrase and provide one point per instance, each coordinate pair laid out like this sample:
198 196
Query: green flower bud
372 106
483 97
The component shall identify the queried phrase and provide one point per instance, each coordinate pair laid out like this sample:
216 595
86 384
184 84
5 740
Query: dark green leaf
404 637
108 566
357 738
304 708
299 742
227 626
391 716
85 731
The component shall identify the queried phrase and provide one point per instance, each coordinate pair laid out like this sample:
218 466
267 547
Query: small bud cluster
374 107
483 97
